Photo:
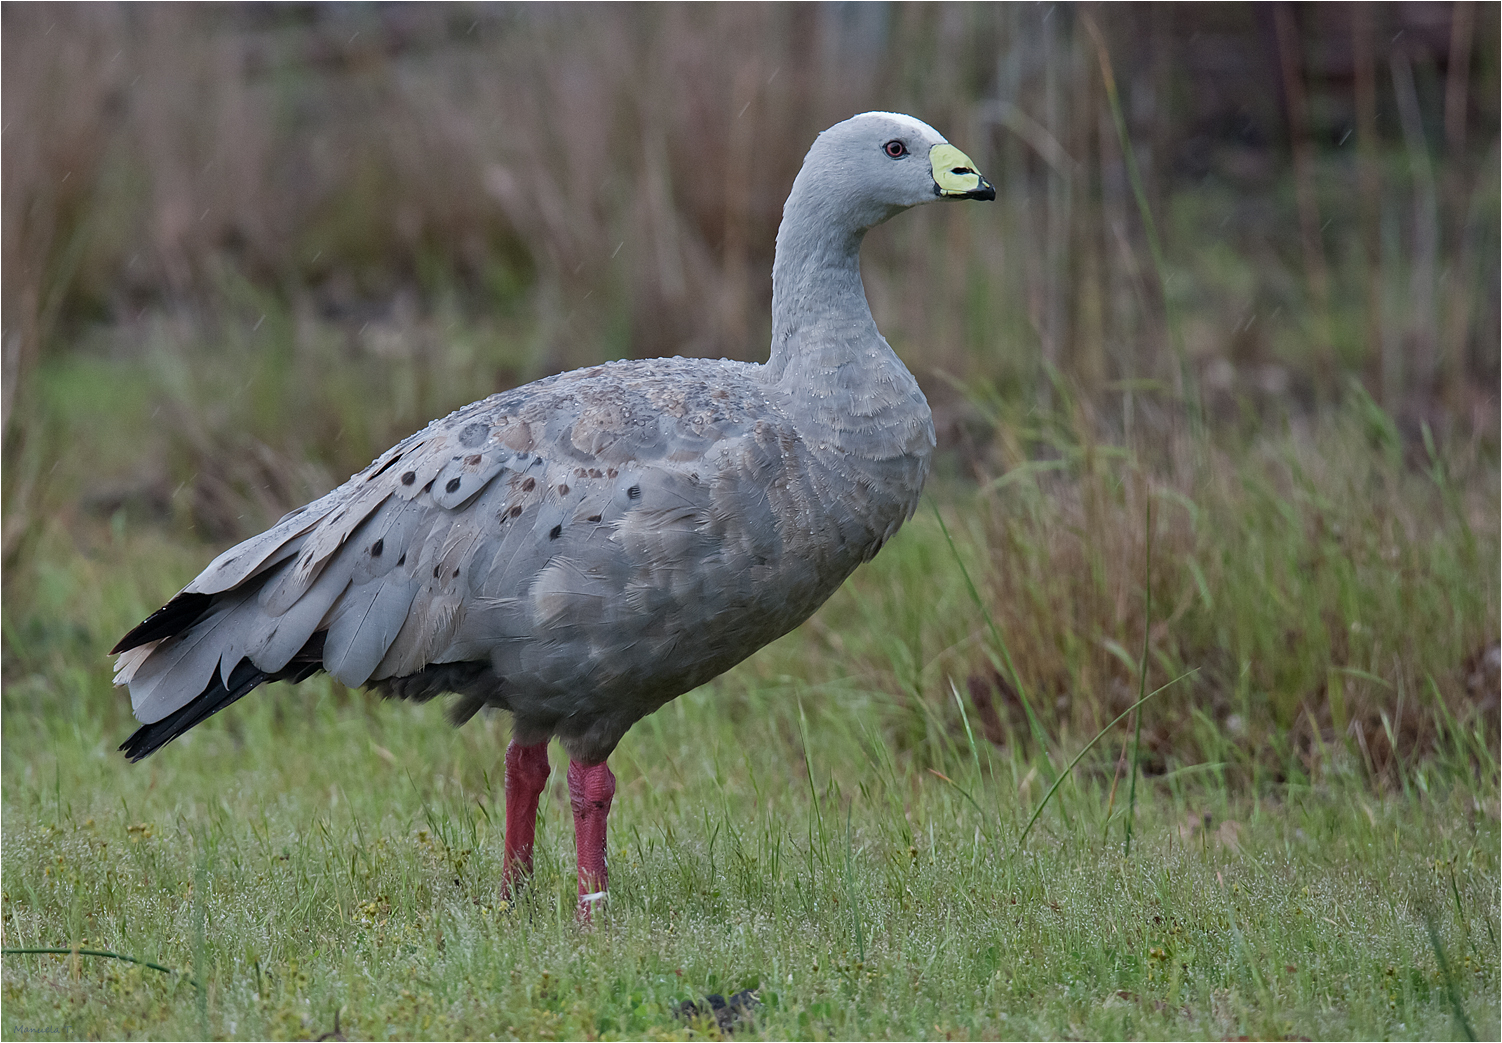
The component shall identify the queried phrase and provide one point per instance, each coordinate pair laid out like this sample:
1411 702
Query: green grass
310 852
836 822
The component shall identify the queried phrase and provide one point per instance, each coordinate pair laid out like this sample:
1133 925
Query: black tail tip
149 738
142 743
172 618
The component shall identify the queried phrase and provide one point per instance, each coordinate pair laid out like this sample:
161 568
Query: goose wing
519 530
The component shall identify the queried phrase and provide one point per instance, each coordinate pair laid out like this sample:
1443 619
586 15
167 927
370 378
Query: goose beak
955 176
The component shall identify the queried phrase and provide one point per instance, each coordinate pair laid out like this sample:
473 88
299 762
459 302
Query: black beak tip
985 191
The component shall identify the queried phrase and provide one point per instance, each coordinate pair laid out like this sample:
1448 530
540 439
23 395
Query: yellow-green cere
954 172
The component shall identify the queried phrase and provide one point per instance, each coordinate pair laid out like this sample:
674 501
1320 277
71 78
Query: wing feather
180 667
322 544
464 476
246 559
364 625
277 638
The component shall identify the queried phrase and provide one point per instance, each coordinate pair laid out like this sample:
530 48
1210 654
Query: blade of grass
1105 828
1147 634
1456 1007
965 719
1154 245
1459 911
855 910
1098 735
936 773
101 952
1039 735
808 764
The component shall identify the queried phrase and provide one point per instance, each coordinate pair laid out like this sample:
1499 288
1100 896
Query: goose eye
895 149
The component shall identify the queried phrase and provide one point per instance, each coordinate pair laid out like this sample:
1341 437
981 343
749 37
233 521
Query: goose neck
816 280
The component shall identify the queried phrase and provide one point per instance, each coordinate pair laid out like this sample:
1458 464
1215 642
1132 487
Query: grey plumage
583 549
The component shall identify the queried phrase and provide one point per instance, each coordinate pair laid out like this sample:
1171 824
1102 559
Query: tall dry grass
615 174
1315 597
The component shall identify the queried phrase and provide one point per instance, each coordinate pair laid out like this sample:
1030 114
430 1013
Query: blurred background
247 247
439 201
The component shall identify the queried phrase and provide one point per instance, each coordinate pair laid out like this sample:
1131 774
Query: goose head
881 163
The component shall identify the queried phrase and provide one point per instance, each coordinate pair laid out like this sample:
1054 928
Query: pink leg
526 774
590 790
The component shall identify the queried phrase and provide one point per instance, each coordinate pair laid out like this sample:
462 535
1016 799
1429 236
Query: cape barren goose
583 549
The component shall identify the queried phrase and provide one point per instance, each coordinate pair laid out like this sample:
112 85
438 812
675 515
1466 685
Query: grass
839 822
910 817
313 853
